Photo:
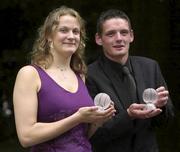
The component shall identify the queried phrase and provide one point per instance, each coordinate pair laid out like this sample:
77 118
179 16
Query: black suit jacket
121 133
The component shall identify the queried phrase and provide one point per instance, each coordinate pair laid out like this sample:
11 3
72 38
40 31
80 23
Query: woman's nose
70 34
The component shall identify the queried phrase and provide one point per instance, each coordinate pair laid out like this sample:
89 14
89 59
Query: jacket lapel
139 78
118 89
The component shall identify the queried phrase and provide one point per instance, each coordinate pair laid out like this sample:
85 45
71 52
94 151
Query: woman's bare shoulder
27 72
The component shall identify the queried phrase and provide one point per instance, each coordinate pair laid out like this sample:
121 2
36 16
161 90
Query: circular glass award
102 100
150 96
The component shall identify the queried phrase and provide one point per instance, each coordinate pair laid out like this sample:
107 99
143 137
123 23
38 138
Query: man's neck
122 60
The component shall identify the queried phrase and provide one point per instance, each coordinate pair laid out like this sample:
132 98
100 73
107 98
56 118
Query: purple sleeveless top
56 103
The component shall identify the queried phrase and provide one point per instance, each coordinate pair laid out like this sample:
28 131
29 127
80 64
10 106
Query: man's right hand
138 111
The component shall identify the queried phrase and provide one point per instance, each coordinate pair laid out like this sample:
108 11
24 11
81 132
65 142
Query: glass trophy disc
102 100
150 96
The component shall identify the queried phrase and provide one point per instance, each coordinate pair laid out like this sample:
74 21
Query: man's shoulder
93 65
94 69
142 60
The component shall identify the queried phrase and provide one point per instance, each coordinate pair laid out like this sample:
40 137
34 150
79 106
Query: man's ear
98 39
132 35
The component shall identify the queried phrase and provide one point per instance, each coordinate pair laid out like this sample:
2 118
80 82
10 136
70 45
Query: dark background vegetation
156 25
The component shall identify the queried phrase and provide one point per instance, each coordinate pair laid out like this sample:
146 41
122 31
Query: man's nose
118 36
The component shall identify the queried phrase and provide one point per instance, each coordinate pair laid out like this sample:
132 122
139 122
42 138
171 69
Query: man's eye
110 34
125 32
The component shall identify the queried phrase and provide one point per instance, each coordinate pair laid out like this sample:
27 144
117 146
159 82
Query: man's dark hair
109 14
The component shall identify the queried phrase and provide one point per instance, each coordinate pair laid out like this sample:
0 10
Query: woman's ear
49 39
50 42
98 39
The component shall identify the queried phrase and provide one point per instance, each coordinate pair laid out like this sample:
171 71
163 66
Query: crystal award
150 97
102 100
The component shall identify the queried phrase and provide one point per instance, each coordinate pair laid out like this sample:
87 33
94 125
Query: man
132 128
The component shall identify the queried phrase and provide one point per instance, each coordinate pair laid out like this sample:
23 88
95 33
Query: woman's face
66 38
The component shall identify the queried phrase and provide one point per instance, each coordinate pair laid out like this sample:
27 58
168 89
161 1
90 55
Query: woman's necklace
63 72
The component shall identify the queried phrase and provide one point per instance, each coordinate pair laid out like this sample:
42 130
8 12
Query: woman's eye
63 30
76 32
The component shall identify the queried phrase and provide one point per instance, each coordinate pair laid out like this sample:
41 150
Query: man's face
115 39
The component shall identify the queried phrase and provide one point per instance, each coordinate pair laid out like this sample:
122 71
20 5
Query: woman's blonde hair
41 54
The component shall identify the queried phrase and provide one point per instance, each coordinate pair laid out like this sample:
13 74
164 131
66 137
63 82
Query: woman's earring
51 45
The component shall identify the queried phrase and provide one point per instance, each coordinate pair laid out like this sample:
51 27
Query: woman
51 103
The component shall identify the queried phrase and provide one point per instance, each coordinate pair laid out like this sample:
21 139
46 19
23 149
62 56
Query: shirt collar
117 67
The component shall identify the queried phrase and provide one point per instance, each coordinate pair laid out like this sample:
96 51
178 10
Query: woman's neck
62 63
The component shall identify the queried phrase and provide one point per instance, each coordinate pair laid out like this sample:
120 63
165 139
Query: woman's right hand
93 114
